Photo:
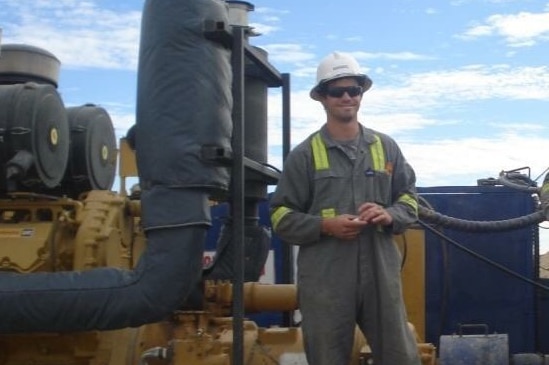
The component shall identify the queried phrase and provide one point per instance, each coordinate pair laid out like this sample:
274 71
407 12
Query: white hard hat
337 65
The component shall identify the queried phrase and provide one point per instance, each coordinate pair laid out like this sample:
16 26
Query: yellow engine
45 234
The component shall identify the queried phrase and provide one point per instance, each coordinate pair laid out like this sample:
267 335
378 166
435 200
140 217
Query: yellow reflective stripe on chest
378 154
328 213
320 153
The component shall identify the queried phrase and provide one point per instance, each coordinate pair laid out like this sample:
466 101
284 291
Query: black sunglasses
338 91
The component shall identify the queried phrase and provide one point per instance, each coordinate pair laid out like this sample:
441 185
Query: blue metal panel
543 320
463 289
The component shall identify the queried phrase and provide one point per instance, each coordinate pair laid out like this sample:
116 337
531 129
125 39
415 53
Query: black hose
522 185
432 216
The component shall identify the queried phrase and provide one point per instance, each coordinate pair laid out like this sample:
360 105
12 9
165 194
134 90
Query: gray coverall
345 283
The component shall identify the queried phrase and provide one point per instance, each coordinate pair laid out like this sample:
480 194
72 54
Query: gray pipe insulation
184 103
107 298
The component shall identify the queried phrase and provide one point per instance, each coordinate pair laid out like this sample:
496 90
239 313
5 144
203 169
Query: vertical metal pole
287 250
238 194
538 293
286 143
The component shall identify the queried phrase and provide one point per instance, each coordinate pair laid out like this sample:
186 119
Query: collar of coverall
367 136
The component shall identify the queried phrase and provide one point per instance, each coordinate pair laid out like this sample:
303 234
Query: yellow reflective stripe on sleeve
278 214
319 153
408 199
328 213
545 188
378 155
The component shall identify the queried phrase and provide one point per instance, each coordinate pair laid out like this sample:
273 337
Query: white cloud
288 53
463 161
263 29
401 56
103 38
266 20
522 128
524 29
465 84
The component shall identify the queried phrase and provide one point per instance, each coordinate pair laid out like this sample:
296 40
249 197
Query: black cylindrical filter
255 119
33 119
92 155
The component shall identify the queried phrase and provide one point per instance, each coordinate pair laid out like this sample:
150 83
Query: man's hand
345 226
374 214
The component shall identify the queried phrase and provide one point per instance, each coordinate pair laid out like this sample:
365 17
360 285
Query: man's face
342 106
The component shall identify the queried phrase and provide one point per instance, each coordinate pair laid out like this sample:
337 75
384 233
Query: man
343 193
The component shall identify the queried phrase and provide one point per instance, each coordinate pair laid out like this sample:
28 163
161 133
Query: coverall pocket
382 188
330 188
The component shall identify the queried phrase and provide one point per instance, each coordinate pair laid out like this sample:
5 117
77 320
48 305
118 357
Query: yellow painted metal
36 234
258 297
412 247
105 232
127 164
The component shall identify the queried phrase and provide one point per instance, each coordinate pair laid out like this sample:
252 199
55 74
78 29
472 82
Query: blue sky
462 85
